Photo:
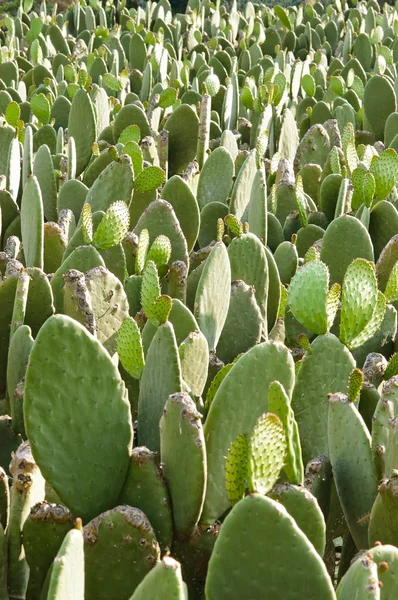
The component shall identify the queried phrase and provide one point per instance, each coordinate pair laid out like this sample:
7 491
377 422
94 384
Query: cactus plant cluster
198 301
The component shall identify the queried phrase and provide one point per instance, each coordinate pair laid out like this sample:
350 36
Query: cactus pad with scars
122 541
95 399
109 304
383 525
28 488
43 534
259 526
145 488
183 455
361 577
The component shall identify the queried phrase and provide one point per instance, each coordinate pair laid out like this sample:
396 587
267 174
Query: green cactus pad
84 487
385 170
183 127
159 218
352 464
145 488
43 533
379 102
122 541
325 370
279 404
179 195
345 239
67 575
213 295
82 127
164 581
215 180
129 347
243 325
83 259
383 526
160 251
109 304
194 358
250 378
249 263
32 223
160 378
259 526
361 578
305 510
116 176
183 455
307 296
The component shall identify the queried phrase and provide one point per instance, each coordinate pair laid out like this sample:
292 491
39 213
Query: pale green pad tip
164 581
261 553
67 576
75 404
228 417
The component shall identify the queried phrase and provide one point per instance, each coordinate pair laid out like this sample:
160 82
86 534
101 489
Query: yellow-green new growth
236 469
142 249
156 307
267 453
129 347
160 251
113 226
355 383
87 224
234 225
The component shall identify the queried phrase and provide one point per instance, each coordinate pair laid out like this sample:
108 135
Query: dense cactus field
198 302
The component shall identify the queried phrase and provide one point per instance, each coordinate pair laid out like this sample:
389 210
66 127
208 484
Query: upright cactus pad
96 399
257 526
